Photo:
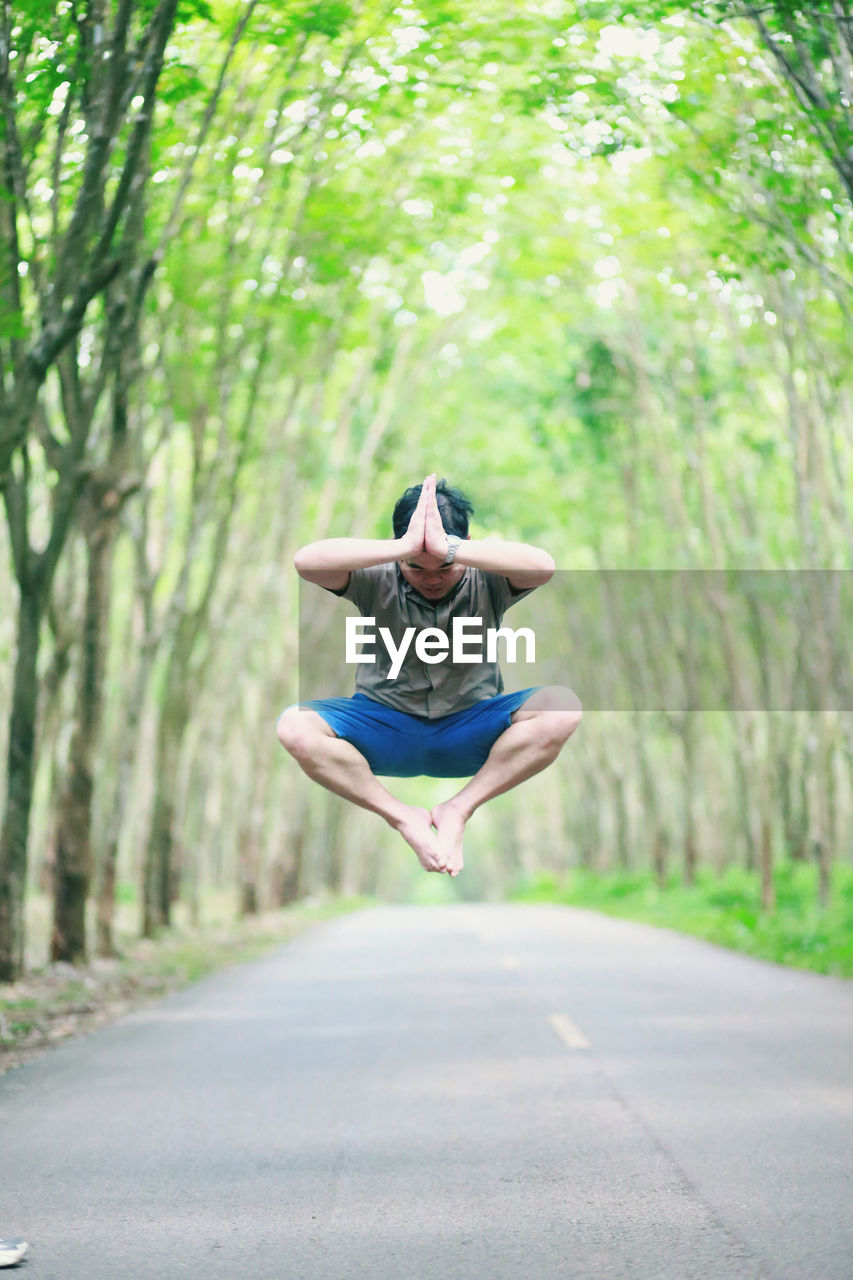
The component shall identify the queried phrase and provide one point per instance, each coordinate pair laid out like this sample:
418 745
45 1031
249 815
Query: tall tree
78 93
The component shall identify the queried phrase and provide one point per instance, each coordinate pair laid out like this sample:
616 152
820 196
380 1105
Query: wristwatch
452 547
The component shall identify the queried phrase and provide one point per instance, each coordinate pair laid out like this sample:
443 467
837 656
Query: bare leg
541 726
341 768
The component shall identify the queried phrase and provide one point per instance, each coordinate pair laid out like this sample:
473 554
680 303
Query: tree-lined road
477 1092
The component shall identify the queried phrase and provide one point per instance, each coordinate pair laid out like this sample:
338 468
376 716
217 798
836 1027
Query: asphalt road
466 1093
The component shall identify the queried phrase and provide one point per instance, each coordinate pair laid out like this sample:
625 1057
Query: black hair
453 507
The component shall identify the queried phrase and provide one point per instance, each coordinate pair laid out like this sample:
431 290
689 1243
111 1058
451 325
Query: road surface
473 1092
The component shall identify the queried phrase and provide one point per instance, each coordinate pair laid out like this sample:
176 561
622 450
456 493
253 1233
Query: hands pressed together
426 531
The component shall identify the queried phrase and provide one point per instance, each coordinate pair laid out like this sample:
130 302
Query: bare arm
521 564
330 562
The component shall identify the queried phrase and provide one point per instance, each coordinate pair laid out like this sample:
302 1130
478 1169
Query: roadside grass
724 908
53 1001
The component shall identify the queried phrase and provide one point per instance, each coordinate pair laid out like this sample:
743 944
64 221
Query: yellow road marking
568 1032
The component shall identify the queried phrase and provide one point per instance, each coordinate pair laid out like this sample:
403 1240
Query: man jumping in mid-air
441 719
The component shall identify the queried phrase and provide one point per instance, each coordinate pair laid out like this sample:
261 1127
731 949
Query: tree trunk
74 861
768 887
21 752
73 868
248 895
655 836
660 852
105 903
158 872
623 826
825 803
287 872
332 864
691 852
128 742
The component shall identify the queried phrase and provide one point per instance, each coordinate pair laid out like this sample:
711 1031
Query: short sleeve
502 594
361 589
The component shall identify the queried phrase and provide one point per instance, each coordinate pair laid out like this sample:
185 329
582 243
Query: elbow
300 561
540 569
548 566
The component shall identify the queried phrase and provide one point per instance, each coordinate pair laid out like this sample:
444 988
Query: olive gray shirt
428 689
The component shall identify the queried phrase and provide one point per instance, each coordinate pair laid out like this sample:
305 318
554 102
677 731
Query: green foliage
189 9
592 262
179 81
602 395
306 17
725 908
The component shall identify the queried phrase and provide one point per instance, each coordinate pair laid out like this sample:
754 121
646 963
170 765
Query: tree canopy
264 265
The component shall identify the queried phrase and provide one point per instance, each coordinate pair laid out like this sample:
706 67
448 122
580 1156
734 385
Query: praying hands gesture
425 531
329 562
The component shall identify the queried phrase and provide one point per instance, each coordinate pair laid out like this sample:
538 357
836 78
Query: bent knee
558 726
558 712
573 719
287 727
558 697
298 728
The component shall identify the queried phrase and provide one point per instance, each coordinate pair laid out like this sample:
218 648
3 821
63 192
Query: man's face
427 575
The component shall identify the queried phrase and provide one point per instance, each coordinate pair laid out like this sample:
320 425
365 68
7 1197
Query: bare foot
414 825
450 826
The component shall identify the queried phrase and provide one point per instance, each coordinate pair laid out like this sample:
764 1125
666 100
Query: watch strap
453 541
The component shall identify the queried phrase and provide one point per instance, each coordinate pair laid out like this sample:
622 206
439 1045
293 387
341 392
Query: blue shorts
398 745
